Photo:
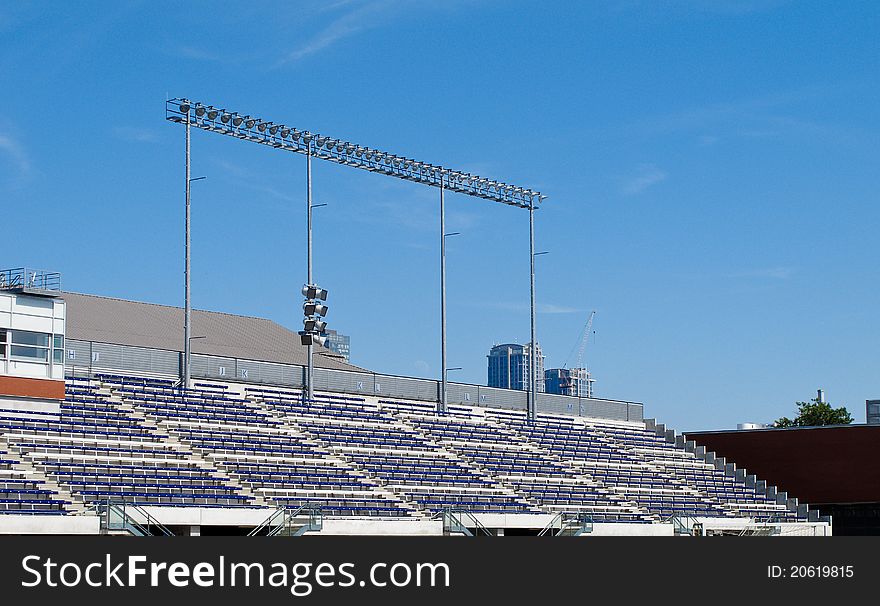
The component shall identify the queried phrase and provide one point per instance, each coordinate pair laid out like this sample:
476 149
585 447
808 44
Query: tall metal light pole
311 348
187 314
533 365
442 406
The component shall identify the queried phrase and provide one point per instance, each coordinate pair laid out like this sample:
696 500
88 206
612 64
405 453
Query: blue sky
711 167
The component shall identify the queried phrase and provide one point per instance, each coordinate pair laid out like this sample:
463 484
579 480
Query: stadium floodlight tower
286 138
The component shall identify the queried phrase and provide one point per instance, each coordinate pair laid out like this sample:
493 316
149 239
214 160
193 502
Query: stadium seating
406 463
641 467
149 442
96 448
22 494
271 462
533 473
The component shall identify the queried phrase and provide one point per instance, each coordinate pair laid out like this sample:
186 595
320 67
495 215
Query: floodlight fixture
312 339
314 325
313 291
312 308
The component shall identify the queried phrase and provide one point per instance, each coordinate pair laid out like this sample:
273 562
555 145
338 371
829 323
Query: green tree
815 413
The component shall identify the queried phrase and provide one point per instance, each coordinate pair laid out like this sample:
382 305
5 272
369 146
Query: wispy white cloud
646 176
240 176
771 116
768 273
135 134
363 16
732 7
15 156
421 367
541 308
550 308
680 9
196 53
707 140
391 207
331 6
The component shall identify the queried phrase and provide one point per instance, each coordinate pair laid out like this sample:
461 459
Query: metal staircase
119 517
686 526
565 524
461 522
288 522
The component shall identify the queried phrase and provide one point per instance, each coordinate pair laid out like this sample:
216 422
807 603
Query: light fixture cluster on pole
273 134
313 327
313 312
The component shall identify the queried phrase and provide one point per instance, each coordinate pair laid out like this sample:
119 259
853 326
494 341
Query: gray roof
107 320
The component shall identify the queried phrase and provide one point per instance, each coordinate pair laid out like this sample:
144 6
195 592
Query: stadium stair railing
125 517
290 522
565 524
687 526
459 521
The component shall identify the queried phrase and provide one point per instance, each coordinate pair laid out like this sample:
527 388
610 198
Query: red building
835 469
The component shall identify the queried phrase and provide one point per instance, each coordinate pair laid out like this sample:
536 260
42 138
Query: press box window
58 349
34 339
28 354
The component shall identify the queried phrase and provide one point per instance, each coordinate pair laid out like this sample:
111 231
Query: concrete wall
631 530
383 528
84 357
48 524
207 516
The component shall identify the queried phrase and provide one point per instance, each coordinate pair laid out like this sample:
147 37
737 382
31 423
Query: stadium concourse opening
128 450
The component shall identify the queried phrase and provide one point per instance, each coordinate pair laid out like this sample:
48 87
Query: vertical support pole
442 407
533 361
310 379
187 315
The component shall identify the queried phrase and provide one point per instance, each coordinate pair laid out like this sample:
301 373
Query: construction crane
585 335
568 384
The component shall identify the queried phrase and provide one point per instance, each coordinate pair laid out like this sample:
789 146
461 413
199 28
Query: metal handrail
578 523
269 521
681 523
452 522
106 509
271 527
29 278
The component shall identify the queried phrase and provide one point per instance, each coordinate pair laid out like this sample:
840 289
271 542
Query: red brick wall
31 388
